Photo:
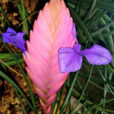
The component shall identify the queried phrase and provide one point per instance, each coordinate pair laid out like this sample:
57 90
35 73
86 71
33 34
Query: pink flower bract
52 30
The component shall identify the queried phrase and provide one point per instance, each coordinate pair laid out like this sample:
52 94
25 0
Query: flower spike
53 29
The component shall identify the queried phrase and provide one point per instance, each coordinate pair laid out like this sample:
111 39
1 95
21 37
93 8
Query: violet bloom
10 36
70 59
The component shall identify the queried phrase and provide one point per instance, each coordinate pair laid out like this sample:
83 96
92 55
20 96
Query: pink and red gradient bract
52 30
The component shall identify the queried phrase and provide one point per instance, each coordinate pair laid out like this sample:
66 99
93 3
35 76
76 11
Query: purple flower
70 59
10 36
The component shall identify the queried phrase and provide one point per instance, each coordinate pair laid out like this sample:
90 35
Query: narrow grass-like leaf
97 105
23 15
109 40
4 64
4 16
89 12
62 93
13 62
78 20
83 90
20 11
2 21
25 24
69 92
102 4
82 38
78 6
98 15
105 89
23 9
105 35
8 56
111 69
79 84
54 103
108 111
108 18
68 106
105 80
30 91
99 36
15 86
102 29
22 105
27 18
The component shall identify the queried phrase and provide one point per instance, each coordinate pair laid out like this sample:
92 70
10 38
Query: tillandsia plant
53 51
52 30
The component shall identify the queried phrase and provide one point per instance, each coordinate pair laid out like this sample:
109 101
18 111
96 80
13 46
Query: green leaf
69 92
3 75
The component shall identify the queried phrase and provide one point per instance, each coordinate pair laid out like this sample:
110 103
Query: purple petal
66 50
5 37
10 30
74 31
16 39
97 55
69 61
77 47
20 42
